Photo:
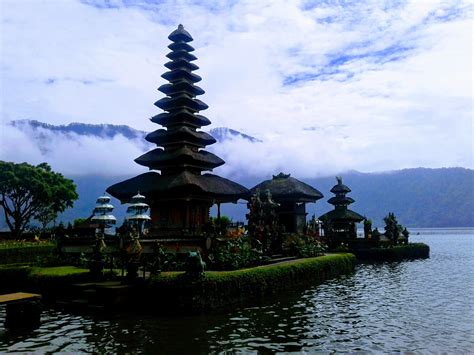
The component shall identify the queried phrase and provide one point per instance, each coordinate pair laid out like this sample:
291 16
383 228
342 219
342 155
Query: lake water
421 306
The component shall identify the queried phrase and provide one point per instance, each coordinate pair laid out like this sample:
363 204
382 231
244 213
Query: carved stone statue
194 265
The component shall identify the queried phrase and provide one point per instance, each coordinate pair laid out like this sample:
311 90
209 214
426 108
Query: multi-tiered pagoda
181 196
341 223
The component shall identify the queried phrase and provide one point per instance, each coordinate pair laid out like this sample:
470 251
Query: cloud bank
327 86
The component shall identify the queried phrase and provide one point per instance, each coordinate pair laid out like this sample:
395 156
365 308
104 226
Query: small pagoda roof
181 74
180 35
342 214
283 187
181 157
179 185
341 200
180 135
178 46
182 86
181 117
181 102
181 64
181 54
340 188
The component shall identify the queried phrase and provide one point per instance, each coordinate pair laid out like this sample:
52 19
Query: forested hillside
418 197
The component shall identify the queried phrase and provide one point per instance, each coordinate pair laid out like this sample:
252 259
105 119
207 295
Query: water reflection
424 305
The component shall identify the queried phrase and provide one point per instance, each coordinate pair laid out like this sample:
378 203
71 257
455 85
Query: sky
327 86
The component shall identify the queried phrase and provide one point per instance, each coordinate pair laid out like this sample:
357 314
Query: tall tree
33 192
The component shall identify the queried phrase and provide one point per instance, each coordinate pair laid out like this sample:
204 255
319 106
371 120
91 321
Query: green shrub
303 246
234 253
24 252
395 253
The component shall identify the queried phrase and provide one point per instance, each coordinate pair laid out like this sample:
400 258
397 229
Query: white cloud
398 92
70 153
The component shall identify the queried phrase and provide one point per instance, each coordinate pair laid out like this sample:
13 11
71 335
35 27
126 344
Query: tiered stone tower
180 197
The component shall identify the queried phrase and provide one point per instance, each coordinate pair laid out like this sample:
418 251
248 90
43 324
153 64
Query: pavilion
292 195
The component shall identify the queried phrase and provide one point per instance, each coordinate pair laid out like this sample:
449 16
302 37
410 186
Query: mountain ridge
420 197
107 130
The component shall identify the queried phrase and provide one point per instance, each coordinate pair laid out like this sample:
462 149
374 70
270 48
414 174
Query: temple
181 195
340 223
291 196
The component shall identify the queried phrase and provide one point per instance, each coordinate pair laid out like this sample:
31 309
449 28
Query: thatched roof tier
181 74
340 200
180 185
286 188
180 135
181 117
180 35
181 54
181 87
340 188
181 102
342 215
178 46
181 64
183 157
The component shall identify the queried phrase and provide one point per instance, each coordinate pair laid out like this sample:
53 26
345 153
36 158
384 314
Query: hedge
39 279
218 289
396 253
24 253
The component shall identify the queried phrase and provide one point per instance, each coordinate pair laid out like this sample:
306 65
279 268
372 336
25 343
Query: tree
392 228
33 192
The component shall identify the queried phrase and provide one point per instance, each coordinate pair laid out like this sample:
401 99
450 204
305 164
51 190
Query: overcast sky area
328 86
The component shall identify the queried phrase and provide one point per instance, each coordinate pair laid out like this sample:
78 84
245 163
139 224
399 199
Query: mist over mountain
109 131
97 156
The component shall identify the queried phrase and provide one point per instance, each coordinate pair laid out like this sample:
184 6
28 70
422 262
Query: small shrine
102 213
291 195
137 215
180 195
341 223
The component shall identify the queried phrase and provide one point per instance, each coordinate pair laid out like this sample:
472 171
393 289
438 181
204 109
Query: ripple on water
420 306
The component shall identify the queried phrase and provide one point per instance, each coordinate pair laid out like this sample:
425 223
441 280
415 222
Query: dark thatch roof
340 188
342 214
180 135
341 200
180 35
180 117
181 102
285 188
181 86
180 185
181 157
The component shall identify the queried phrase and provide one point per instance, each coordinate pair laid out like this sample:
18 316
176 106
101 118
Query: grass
57 271
15 244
